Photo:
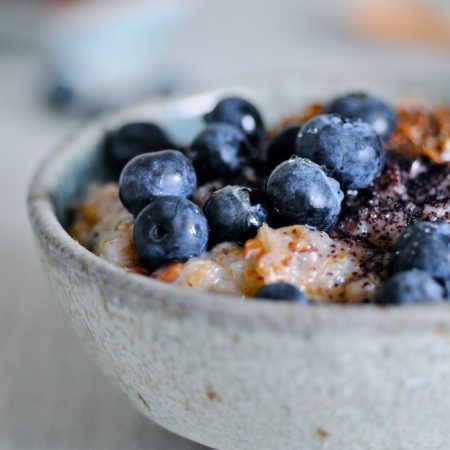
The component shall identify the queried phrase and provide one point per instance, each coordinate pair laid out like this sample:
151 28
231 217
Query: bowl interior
78 161
182 117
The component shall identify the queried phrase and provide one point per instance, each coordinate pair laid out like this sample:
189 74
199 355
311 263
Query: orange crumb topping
89 214
168 273
252 248
423 131
137 269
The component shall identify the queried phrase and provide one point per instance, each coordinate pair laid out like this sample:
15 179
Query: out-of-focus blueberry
220 151
446 286
170 229
61 96
232 216
281 147
351 150
242 114
370 109
424 246
413 286
300 192
133 139
281 292
150 175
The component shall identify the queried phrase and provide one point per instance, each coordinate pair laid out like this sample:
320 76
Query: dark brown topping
409 189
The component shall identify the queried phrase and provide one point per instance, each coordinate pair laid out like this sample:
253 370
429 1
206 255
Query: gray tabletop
52 396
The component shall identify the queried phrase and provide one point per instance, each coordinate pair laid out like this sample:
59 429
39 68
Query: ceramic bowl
233 374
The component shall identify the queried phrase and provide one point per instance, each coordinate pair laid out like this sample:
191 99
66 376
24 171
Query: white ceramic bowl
248 375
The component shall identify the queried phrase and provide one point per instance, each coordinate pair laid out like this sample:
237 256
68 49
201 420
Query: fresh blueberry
413 286
170 229
281 291
300 192
242 114
232 216
424 246
150 175
350 150
220 151
130 140
370 109
281 147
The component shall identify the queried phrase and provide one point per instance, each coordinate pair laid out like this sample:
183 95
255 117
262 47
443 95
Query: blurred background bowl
103 54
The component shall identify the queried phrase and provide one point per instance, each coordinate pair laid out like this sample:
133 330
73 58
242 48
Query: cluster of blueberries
306 168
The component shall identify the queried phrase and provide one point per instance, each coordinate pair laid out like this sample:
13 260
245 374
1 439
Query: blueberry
281 147
424 246
240 113
130 140
147 176
446 286
170 229
300 192
220 151
413 286
232 216
351 151
370 109
281 291
62 96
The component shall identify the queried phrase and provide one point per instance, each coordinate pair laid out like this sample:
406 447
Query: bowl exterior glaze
233 374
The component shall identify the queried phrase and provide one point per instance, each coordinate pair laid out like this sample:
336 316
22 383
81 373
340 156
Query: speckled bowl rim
223 310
